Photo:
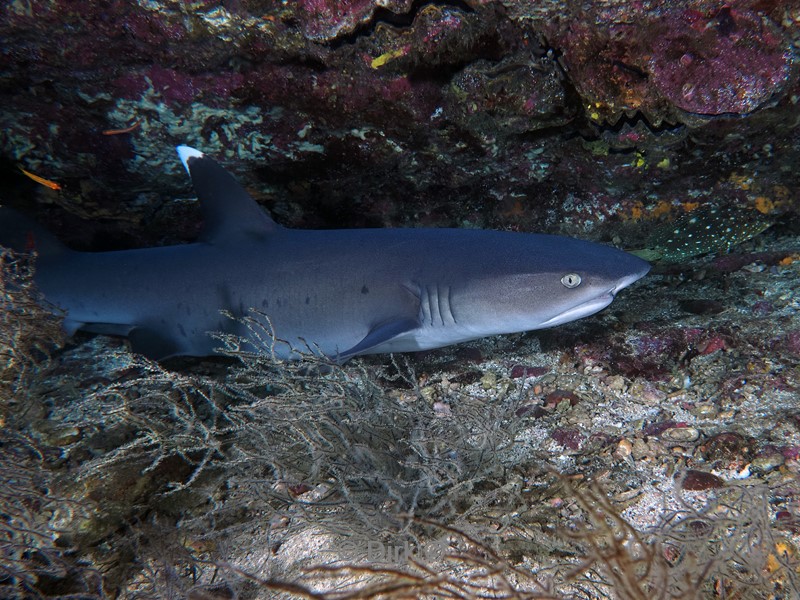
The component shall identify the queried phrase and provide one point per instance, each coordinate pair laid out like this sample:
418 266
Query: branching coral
35 560
28 332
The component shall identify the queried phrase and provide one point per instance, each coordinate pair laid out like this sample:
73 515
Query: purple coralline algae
482 113
326 19
672 66
731 62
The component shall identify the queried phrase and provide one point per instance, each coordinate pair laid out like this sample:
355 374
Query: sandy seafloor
631 400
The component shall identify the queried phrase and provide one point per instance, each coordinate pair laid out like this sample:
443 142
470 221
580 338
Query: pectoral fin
379 335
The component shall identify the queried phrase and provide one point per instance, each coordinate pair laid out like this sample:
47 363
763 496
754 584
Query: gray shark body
339 293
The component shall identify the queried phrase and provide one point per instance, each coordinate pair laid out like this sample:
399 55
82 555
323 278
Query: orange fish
121 131
45 182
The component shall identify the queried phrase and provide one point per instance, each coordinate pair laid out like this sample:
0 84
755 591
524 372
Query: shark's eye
571 280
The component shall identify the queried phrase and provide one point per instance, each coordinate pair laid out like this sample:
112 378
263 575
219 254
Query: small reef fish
123 130
338 293
708 228
41 180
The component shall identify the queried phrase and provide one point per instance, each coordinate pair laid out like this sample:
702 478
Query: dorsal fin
228 210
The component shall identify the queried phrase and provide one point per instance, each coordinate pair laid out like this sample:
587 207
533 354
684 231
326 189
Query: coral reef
28 331
537 116
688 64
652 449
416 475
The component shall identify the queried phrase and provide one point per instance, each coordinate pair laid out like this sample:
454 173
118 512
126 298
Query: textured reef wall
672 130
529 115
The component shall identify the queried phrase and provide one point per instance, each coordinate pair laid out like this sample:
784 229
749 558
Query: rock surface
528 115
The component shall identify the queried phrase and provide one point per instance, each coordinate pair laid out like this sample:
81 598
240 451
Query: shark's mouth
584 309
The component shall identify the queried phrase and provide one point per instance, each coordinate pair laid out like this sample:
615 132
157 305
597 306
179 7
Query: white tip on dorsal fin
228 210
187 152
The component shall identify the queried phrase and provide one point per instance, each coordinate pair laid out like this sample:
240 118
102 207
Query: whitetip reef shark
338 293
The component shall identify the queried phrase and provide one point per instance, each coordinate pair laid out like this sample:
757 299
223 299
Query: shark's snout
641 270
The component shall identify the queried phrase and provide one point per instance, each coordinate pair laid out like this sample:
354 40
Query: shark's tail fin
22 234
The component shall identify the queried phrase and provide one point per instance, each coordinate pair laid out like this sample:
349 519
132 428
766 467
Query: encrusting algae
708 228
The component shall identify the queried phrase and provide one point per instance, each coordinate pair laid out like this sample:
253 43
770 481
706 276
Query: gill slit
436 309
